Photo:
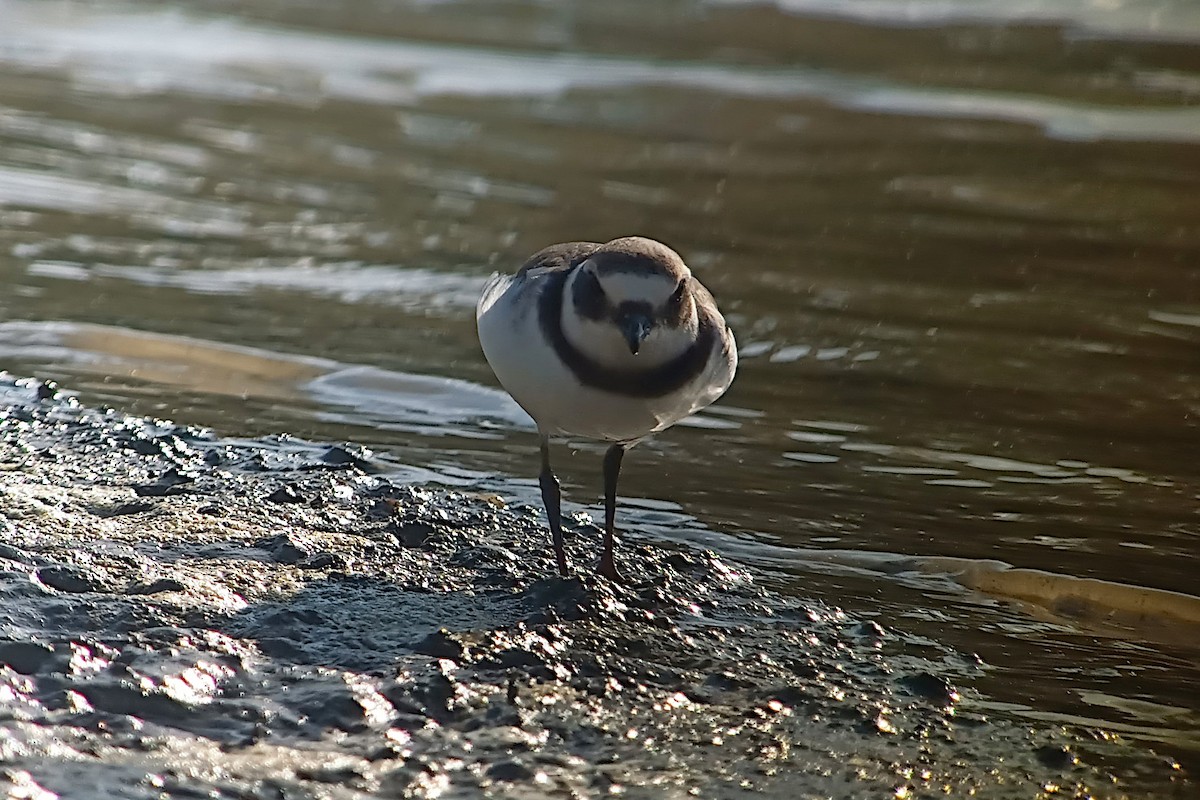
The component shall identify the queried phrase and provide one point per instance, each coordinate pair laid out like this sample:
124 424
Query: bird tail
495 286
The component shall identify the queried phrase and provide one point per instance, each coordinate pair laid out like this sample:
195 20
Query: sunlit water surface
959 243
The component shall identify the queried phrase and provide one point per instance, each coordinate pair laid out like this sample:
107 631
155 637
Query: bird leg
612 469
552 499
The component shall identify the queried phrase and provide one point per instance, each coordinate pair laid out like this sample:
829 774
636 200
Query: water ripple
124 51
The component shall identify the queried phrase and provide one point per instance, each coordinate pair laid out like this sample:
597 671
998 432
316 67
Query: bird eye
588 296
593 284
677 296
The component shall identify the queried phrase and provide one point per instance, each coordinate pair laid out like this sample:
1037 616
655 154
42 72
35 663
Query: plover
611 342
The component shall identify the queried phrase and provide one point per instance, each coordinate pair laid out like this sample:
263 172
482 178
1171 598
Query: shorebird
611 342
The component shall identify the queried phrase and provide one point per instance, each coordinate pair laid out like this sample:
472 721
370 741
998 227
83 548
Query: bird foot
608 568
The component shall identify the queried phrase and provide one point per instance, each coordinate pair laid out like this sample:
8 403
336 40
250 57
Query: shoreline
187 614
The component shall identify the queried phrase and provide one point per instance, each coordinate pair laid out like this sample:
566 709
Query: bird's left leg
612 469
552 499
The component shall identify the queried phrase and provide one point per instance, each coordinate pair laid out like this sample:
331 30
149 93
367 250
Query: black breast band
655 382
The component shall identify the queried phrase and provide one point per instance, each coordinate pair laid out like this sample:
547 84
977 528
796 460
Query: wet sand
957 242
185 615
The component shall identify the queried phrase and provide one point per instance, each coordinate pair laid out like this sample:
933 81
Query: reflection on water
958 241
423 404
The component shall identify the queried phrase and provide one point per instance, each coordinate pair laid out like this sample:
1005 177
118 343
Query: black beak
636 327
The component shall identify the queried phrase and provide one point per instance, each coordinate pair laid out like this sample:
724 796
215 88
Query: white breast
531 371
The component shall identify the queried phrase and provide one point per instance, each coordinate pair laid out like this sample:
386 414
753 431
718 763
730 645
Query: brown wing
706 306
559 256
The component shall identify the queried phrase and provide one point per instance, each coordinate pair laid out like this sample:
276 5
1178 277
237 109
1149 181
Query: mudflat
184 615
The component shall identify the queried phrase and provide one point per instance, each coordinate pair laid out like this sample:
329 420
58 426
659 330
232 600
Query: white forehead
652 287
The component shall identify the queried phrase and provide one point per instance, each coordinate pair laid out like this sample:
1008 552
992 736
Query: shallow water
959 243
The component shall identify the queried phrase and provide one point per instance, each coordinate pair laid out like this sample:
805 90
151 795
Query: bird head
629 304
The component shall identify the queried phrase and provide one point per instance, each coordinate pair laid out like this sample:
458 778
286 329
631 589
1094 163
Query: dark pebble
344 456
215 458
519 657
279 647
931 687
283 549
66 579
727 682
286 494
484 556
441 695
1058 757
26 658
331 775
13 554
340 711
324 561
414 534
124 509
386 752
126 699
793 696
145 447
510 771
871 630
154 587
441 644
545 616
172 482
400 695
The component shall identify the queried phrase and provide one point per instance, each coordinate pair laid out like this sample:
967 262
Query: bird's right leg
551 498
612 469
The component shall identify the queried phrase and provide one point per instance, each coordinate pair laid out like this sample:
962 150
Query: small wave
349 282
358 394
1152 614
171 51
1163 21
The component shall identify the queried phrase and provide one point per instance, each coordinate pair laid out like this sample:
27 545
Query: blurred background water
959 242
